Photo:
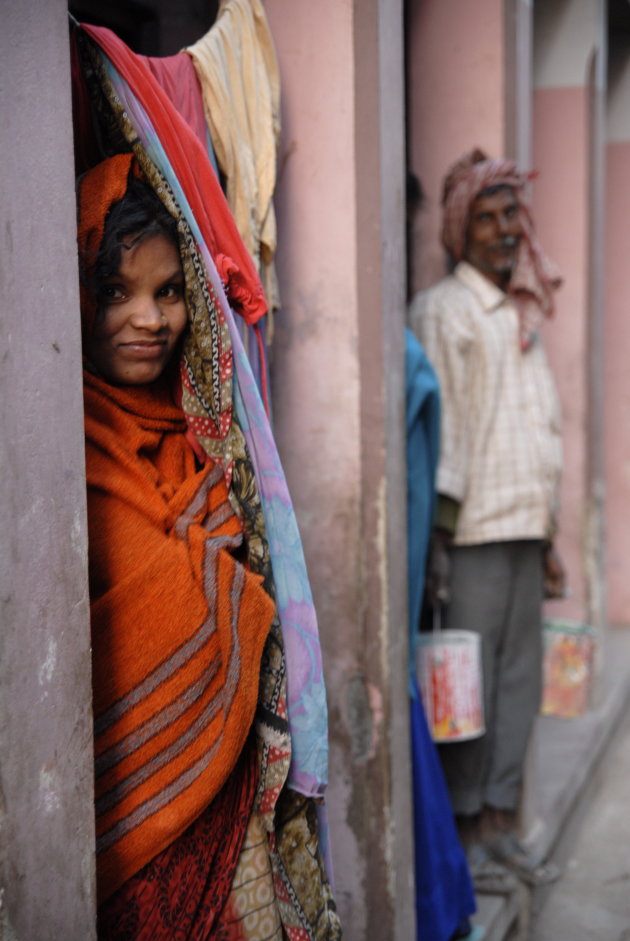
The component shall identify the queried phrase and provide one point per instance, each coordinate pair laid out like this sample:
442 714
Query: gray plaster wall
46 797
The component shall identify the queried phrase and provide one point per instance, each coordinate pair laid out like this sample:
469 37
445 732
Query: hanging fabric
240 80
227 420
444 893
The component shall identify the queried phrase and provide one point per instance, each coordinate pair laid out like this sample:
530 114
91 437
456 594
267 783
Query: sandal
506 850
489 877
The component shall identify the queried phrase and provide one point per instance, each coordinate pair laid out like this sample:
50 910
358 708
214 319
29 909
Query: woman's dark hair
141 214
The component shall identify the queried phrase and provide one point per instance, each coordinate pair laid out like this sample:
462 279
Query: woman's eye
111 292
171 291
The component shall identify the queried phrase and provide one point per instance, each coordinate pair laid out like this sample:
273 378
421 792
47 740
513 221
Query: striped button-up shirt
501 450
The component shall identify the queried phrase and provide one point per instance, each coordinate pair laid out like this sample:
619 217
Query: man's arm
439 559
554 574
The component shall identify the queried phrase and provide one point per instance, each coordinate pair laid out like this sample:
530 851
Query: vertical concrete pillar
381 294
46 796
617 349
338 370
569 61
457 99
518 31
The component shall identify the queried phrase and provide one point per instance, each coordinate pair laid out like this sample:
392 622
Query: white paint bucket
569 650
448 667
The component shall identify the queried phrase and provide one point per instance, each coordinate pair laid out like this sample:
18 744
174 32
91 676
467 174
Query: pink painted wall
561 212
617 357
456 101
337 363
315 368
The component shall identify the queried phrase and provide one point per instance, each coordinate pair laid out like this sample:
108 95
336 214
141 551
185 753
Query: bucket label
449 676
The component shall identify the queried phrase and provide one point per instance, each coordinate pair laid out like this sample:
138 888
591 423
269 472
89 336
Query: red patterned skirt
181 893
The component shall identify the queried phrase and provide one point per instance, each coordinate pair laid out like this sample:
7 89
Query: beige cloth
238 71
501 450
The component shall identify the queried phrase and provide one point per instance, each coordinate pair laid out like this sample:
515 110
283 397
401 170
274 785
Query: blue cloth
444 892
422 397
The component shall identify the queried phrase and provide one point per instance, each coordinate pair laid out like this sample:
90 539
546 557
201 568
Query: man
492 557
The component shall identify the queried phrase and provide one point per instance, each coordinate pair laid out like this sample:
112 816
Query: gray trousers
497 590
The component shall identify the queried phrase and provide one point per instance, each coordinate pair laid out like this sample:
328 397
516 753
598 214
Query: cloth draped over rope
177 77
167 141
238 70
226 421
534 277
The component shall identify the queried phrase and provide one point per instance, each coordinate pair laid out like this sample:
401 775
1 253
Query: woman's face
141 316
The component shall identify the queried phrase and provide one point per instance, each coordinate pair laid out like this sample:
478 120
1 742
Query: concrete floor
591 901
576 812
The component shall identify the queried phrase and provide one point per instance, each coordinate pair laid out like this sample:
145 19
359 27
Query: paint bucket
448 667
567 668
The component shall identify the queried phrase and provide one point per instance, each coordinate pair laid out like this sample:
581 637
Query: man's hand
439 568
555 580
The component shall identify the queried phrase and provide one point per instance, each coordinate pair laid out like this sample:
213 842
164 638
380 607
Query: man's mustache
509 241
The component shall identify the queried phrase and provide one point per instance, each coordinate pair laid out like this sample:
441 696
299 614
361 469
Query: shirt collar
489 295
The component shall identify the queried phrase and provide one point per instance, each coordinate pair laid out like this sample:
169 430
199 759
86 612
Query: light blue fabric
444 892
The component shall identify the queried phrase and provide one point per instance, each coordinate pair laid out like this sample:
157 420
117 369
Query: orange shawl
178 626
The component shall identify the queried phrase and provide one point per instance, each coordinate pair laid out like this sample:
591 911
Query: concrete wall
456 100
569 53
338 366
560 193
518 38
617 351
46 798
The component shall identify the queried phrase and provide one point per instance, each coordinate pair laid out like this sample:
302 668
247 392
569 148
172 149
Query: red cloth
177 76
192 167
182 892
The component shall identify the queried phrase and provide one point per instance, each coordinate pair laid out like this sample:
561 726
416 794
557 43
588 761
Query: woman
179 620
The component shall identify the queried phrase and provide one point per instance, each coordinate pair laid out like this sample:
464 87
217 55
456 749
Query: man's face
494 232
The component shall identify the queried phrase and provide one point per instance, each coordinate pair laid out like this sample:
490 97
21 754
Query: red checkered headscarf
534 276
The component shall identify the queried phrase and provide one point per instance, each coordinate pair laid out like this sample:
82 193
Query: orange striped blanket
178 627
